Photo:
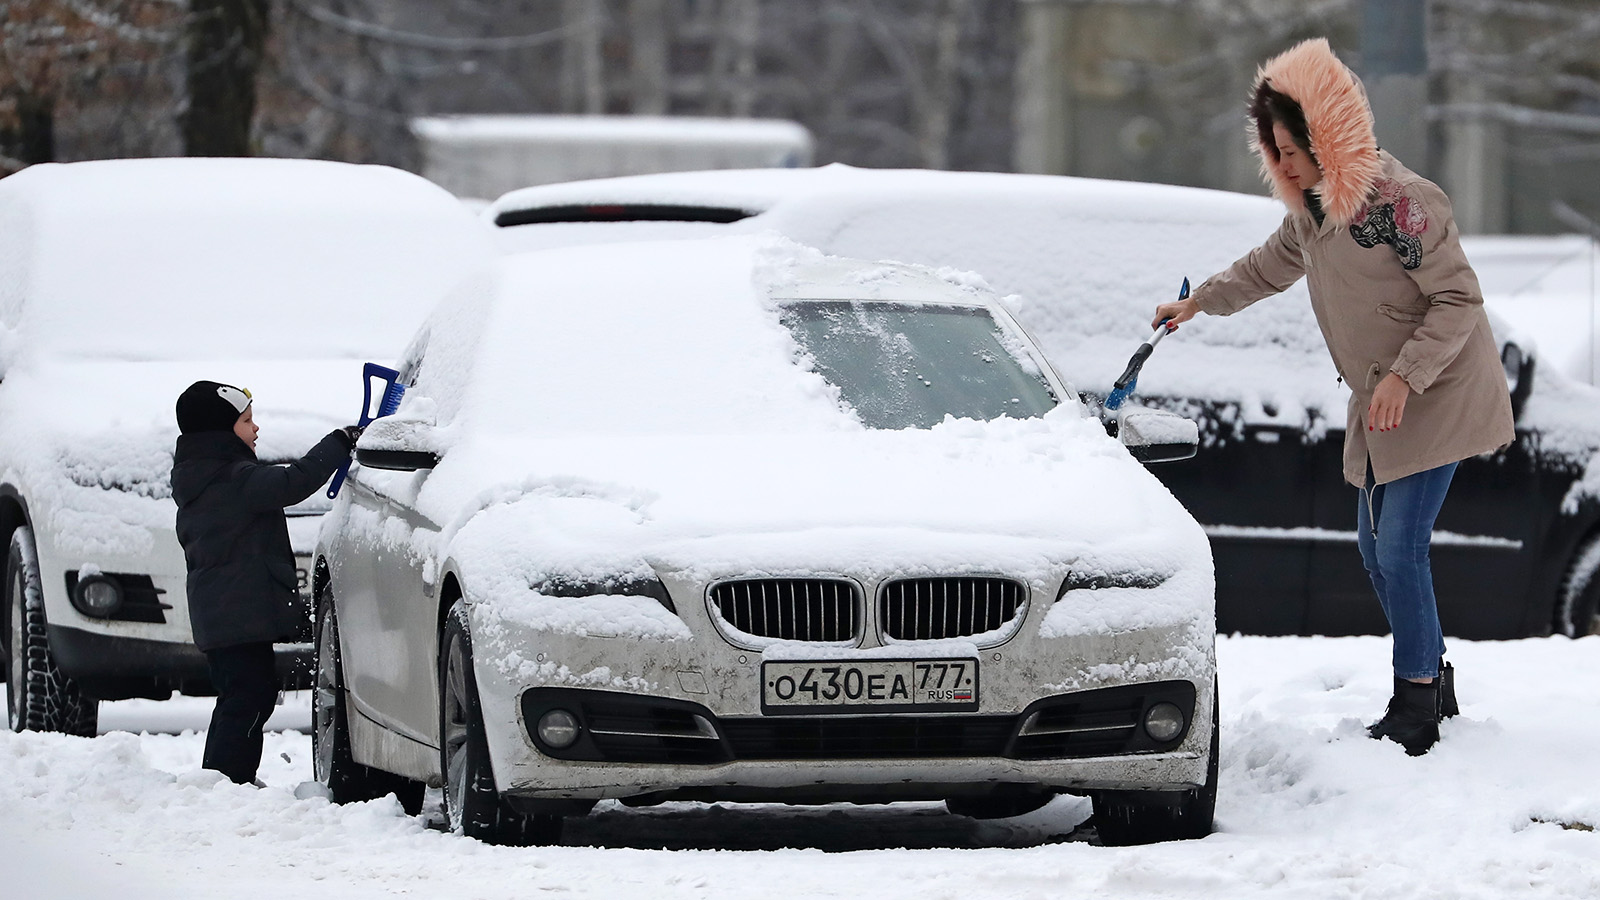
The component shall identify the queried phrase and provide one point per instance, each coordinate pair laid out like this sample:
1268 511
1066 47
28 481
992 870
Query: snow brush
1130 376
393 390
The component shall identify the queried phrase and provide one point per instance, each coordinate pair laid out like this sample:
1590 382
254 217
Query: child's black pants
247 690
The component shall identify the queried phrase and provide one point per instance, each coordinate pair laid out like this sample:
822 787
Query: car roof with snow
675 335
1083 261
123 281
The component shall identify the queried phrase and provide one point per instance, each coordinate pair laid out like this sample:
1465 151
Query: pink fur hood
1339 121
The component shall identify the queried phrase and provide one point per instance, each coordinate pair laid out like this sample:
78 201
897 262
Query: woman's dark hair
1268 106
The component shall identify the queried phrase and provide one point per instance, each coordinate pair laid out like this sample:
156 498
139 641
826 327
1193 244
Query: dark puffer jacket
242 585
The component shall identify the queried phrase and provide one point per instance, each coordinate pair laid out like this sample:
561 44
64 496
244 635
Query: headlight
1163 722
559 729
622 585
1088 580
98 596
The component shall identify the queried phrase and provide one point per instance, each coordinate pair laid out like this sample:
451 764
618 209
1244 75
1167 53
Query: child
242 586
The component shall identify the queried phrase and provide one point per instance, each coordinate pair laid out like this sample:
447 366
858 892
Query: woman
1402 315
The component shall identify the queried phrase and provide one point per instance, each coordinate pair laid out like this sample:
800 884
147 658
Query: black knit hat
211 406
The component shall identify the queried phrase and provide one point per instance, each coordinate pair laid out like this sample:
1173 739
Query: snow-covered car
732 520
122 282
1517 548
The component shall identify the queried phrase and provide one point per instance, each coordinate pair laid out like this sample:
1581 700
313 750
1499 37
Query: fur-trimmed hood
1339 121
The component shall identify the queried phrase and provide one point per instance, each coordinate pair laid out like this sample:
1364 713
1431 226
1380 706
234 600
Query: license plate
302 574
875 685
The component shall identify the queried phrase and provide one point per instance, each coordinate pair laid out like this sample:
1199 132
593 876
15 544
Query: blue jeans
1395 551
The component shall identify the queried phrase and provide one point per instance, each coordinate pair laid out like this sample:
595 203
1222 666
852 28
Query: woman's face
1295 163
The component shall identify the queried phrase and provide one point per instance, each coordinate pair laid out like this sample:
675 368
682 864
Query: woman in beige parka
1402 315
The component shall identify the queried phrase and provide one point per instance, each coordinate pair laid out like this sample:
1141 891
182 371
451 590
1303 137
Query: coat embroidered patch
1394 219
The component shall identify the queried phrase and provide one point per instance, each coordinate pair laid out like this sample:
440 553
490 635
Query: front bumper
112 667
698 731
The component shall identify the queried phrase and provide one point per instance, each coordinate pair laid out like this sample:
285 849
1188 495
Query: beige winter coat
1391 288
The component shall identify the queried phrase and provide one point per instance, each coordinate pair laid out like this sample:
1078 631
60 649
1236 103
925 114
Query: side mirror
398 444
397 460
1519 376
1154 435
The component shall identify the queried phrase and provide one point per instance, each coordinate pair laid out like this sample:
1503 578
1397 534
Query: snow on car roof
1084 261
675 335
226 258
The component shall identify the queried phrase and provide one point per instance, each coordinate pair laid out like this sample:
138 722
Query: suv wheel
1580 592
1125 818
38 696
472 805
347 780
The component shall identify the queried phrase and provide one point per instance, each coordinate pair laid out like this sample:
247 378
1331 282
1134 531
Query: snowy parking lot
1505 806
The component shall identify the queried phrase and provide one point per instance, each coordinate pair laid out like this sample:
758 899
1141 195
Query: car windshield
909 365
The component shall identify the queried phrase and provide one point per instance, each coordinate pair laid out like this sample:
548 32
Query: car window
909 365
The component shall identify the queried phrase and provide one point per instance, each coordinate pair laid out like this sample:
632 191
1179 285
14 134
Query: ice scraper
388 402
1130 376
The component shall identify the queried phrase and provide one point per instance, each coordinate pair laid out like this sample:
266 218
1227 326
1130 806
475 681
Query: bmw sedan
733 520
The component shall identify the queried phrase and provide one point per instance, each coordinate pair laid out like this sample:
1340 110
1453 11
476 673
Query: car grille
931 609
627 728
821 610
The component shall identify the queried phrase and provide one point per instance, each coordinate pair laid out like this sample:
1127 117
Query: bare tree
53 51
225 43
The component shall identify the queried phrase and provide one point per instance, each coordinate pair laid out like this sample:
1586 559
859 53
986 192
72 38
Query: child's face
246 428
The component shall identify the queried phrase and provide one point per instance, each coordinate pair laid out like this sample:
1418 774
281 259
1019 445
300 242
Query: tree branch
324 16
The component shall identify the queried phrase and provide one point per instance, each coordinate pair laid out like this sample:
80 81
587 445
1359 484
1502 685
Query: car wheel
1125 818
347 780
38 696
1580 592
472 805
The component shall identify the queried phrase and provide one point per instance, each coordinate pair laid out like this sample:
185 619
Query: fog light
98 595
1163 722
559 729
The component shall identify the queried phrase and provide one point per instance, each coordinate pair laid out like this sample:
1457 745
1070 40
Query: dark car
1517 546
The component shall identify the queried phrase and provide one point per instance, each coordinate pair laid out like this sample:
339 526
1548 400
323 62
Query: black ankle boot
1447 691
1412 719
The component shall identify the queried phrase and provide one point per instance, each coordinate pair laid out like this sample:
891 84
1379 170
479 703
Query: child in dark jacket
242 585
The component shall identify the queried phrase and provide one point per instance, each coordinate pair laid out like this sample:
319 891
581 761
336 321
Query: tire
1126 818
347 780
38 696
472 805
1579 614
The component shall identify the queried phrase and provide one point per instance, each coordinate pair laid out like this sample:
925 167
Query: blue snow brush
388 402
1130 376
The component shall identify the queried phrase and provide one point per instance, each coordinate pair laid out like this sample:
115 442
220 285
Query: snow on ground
1505 806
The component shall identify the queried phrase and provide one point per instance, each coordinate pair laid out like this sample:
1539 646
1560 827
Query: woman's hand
1388 403
1177 312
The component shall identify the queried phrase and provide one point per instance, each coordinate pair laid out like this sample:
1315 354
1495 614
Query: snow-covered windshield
909 365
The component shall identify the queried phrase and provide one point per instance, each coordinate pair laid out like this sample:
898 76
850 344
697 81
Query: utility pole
1394 60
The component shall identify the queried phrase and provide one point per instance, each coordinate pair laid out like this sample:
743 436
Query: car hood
1023 497
89 443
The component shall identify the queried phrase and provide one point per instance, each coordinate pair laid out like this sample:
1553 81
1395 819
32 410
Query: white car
121 283
732 520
